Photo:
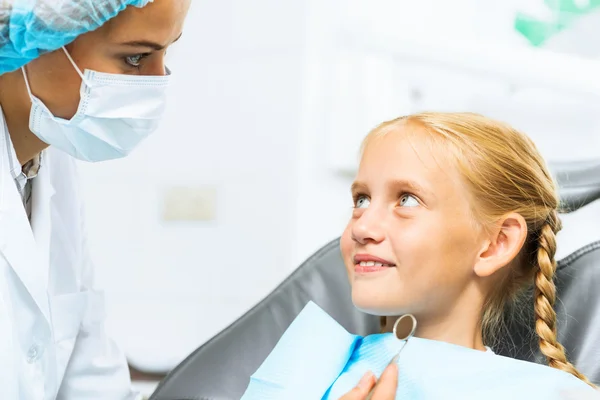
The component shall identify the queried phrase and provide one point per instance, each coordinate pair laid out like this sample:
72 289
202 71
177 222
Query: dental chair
221 368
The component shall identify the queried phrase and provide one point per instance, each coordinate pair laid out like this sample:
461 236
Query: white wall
269 102
355 81
232 125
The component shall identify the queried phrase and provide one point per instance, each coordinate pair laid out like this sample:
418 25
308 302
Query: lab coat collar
28 255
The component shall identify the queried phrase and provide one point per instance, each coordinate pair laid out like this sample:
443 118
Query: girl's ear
504 244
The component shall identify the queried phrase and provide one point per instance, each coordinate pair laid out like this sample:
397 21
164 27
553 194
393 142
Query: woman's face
411 243
133 43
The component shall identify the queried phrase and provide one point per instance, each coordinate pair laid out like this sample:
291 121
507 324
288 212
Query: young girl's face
411 243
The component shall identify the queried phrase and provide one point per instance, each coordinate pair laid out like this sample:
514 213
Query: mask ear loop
72 63
34 100
26 78
76 67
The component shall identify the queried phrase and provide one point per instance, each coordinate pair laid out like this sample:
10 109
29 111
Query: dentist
79 79
85 80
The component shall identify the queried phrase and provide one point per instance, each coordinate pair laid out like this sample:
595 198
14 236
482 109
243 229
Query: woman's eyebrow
148 43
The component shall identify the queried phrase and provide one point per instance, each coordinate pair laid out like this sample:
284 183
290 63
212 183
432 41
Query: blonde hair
505 173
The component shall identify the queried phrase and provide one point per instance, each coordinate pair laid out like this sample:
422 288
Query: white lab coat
53 343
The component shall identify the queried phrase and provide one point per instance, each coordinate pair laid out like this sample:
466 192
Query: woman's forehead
159 21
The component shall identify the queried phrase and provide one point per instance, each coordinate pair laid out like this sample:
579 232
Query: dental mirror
404 328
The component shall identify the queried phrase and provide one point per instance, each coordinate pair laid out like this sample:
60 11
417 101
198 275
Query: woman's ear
503 245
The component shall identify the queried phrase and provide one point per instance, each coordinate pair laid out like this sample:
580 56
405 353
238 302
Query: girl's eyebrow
358 186
413 186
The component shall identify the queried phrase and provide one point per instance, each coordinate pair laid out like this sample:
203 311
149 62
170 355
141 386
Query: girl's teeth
372 264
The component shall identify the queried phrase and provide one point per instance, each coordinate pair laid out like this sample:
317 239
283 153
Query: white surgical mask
116 112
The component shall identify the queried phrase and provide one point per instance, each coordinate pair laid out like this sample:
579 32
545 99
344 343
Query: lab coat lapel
17 242
41 216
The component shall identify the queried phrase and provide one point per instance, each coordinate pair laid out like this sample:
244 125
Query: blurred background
250 172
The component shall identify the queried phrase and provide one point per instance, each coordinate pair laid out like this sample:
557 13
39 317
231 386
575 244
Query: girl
455 215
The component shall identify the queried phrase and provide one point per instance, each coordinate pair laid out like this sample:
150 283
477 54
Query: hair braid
545 297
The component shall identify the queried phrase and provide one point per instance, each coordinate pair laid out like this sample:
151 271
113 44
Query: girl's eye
362 202
407 200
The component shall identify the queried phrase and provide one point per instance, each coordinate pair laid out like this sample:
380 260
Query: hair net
29 28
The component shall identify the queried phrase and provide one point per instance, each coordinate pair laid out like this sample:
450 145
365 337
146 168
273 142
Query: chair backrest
578 315
220 369
579 182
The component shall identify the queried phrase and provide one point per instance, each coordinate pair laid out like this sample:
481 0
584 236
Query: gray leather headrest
579 182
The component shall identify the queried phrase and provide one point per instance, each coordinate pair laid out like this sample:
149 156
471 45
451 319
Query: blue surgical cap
29 28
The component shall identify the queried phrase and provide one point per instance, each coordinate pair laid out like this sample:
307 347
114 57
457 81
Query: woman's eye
135 60
362 202
408 200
